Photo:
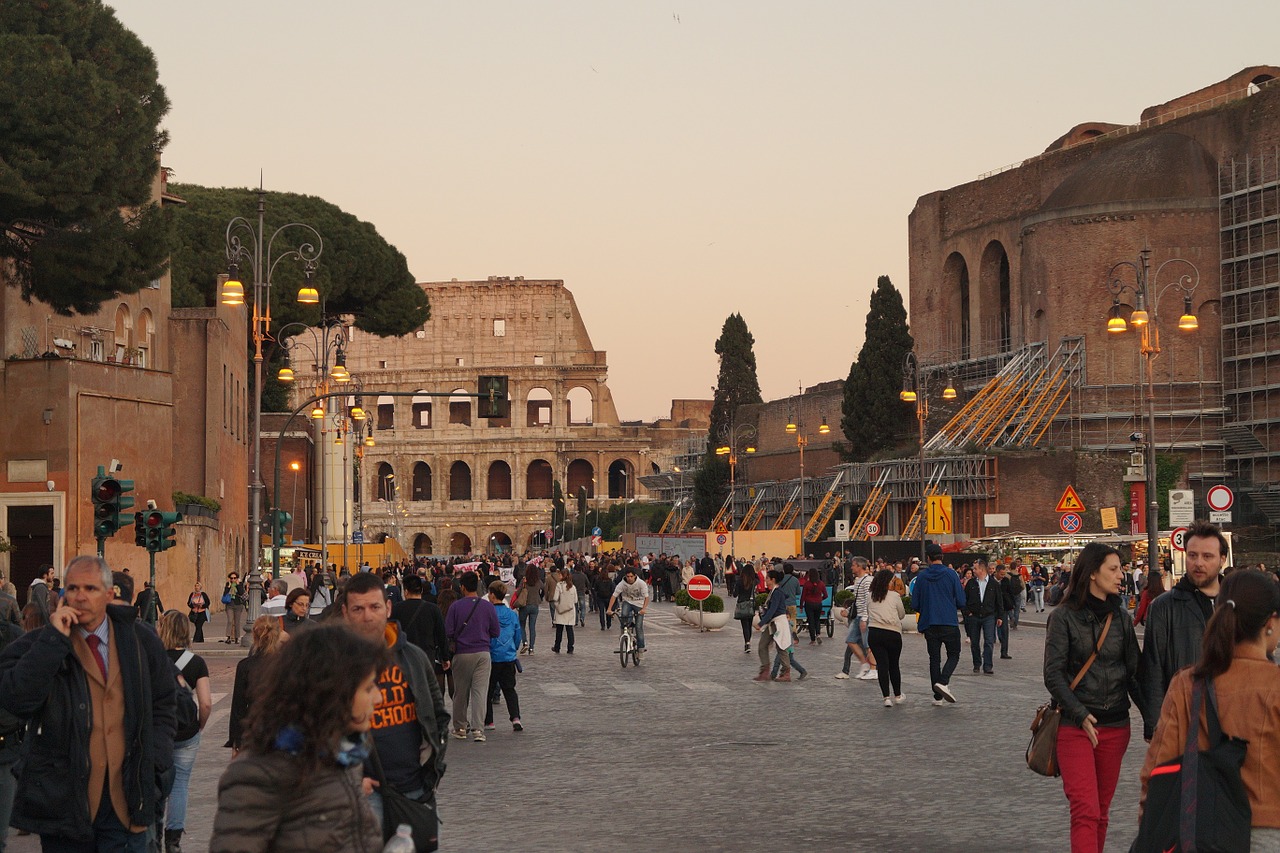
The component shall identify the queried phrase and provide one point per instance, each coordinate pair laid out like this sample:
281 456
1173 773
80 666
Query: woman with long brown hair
1092 634
1239 641
884 634
1150 592
267 637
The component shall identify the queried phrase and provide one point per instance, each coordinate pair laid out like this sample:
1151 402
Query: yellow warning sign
1069 502
722 528
938 517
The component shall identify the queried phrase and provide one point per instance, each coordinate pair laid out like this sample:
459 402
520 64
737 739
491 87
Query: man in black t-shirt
422 624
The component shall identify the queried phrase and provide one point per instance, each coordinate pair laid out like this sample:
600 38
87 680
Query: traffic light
493 397
280 522
110 500
157 529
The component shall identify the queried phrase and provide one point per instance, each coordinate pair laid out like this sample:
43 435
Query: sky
673 162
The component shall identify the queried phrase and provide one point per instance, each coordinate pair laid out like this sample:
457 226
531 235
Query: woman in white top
687 573
564 608
884 634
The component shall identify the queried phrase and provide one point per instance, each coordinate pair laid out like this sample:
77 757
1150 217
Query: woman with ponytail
1239 640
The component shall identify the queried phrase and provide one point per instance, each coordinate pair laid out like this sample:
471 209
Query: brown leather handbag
1042 751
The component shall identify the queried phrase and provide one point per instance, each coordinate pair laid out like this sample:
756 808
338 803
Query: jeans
1003 632
503 676
764 646
626 609
235 618
1089 779
108 834
560 629
580 612
529 623
935 637
982 629
184 758
787 661
470 689
8 785
1037 593
886 645
746 631
813 619
602 608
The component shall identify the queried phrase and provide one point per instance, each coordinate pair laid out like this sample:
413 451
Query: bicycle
628 645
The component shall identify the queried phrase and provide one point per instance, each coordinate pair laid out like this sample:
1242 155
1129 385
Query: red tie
95 645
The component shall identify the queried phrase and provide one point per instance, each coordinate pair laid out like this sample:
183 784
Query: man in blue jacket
937 597
775 606
100 695
502 653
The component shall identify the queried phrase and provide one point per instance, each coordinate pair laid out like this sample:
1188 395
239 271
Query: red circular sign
1220 498
873 529
699 587
1178 539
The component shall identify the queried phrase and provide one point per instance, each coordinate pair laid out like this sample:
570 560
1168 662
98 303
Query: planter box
196 510
710 621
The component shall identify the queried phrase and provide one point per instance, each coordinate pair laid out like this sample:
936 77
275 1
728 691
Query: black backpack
188 711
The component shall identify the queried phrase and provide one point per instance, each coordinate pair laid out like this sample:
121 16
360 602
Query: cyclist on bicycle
632 597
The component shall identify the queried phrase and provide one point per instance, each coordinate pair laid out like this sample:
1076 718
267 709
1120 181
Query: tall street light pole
737 438
795 426
1147 291
246 244
915 389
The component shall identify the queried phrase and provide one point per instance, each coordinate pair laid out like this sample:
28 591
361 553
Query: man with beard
1176 620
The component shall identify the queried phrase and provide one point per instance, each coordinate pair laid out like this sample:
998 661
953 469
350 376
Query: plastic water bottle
402 841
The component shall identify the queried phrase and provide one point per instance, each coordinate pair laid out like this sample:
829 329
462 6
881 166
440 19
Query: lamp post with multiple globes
795 426
736 439
915 389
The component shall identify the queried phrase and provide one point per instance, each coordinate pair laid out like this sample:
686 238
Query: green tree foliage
736 385
80 108
359 273
874 418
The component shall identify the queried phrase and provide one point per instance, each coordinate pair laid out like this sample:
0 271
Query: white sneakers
888 703
899 699
947 695
939 702
844 676
868 675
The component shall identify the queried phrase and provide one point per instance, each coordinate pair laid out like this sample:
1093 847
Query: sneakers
1006 657
899 699
939 702
866 667
460 734
945 691
844 676
869 675
803 675
479 738
888 703
746 650
516 725
490 727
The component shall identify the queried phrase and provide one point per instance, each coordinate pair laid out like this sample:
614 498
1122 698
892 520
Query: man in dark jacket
423 625
100 696
936 599
774 607
410 721
1175 620
984 609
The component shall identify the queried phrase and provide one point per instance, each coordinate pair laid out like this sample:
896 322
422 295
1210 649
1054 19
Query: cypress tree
874 418
736 385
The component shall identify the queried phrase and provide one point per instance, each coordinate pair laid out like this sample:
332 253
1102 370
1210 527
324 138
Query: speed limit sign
1178 539
873 529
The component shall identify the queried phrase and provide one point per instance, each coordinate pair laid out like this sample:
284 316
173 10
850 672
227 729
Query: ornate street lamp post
1147 290
915 389
795 426
736 439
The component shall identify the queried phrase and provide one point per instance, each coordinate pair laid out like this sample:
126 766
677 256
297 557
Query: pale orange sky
673 162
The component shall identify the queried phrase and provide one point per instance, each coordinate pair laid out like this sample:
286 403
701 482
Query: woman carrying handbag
1240 686
1091 630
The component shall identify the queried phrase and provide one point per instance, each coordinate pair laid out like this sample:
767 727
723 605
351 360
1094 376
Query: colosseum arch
537 480
621 479
460 481
499 486
459 543
579 401
386 412
499 543
421 545
421 410
460 407
581 475
421 482
538 407
386 481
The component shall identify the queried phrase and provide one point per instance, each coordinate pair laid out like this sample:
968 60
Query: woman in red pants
1092 634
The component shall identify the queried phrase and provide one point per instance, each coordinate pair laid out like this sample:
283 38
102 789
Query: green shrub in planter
843 597
761 598
682 599
712 604
906 602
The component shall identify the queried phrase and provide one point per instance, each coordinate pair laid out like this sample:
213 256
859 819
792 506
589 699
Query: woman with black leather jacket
1094 733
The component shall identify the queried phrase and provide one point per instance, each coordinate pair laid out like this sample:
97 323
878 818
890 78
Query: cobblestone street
687 753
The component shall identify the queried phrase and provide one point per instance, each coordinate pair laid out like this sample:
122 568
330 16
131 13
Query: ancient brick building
443 480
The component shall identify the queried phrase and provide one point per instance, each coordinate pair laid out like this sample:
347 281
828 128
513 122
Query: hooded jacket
432 716
937 597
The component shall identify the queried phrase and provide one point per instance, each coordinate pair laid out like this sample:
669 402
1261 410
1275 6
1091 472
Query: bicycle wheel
624 649
635 655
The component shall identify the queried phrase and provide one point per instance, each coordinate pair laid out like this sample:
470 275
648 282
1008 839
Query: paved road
688 753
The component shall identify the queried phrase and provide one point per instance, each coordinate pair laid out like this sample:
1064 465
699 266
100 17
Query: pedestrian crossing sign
1069 502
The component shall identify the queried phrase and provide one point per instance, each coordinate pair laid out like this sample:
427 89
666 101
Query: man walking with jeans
937 597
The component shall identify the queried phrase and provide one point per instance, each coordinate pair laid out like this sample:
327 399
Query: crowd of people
424 652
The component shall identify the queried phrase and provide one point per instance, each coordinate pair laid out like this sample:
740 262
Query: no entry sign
1220 498
699 587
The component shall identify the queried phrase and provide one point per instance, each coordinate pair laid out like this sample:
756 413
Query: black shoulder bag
453 641
421 817
1197 803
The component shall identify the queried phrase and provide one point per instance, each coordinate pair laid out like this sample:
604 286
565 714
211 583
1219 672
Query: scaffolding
1249 220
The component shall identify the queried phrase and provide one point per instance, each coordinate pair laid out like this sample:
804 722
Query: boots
785 676
764 675
173 841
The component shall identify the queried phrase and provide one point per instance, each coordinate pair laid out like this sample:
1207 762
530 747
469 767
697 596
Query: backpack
188 711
